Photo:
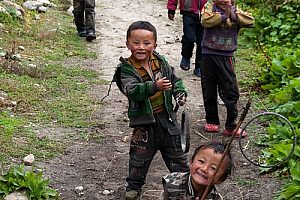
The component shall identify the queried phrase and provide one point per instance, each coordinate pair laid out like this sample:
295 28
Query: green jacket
138 92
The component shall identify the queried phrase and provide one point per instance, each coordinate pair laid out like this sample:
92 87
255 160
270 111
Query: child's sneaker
90 36
237 133
185 64
82 33
197 72
132 195
212 128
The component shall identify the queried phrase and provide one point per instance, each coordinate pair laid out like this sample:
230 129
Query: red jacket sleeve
172 4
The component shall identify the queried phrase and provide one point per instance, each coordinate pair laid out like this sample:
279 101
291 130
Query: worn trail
99 162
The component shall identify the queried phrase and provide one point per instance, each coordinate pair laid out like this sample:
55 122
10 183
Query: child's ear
155 45
127 45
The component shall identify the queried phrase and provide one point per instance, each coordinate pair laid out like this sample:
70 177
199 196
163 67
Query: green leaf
51 192
295 171
290 190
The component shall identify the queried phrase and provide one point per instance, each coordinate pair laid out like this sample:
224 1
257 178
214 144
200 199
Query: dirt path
99 165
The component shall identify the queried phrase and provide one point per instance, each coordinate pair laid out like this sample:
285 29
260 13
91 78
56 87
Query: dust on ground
100 165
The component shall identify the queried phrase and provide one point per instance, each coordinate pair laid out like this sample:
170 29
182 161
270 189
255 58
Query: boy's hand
171 17
227 8
163 84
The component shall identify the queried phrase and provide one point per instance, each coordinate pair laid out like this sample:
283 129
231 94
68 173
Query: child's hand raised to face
163 83
224 5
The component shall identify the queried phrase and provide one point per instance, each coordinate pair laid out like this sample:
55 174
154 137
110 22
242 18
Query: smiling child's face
222 3
204 165
141 43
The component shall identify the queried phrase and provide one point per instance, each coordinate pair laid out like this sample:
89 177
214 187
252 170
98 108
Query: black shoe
81 33
185 64
90 36
197 72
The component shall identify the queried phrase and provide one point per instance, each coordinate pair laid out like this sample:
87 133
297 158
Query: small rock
21 48
126 119
79 189
17 57
32 65
106 192
29 160
125 139
17 196
70 11
13 103
42 9
32 5
37 17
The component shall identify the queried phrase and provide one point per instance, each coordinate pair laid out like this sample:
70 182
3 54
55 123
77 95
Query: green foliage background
277 36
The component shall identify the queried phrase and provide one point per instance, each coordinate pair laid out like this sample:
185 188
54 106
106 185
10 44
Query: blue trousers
192 33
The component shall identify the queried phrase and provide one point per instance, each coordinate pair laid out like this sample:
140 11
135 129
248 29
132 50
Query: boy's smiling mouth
202 175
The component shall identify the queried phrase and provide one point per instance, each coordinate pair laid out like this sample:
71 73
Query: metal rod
243 115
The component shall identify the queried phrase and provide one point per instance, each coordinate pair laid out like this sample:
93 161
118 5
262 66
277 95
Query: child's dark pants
192 33
164 135
217 75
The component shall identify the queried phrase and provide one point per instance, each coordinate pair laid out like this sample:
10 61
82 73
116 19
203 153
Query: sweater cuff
224 18
233 15
155 88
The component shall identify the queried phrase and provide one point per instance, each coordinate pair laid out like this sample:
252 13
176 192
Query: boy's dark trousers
164 135
192 33
217 75
84 15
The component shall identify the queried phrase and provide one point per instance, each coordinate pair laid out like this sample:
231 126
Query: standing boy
84 18
192 30
221 20
149 83
192 184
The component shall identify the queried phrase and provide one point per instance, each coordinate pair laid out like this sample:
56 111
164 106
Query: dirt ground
101 166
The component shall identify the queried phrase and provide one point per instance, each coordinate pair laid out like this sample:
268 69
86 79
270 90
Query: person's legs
170 144
78 13
229 91
188 40
209 83
199 36
90 19
142 151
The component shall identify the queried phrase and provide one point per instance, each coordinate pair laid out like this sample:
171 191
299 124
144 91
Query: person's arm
134 89
244 19
210 18
171 6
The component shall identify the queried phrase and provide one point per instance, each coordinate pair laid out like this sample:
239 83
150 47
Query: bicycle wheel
270 142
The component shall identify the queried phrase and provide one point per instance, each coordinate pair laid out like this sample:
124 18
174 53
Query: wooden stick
243 115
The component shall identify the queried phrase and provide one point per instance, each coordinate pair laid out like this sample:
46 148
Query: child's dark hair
142 25
218 148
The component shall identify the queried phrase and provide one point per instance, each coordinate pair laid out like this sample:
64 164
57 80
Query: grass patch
246 69
45 90
246 182
52 37
14 135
